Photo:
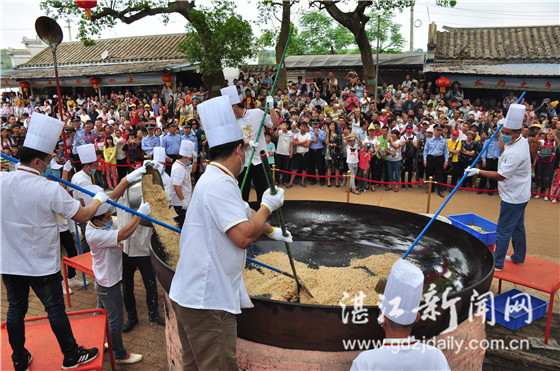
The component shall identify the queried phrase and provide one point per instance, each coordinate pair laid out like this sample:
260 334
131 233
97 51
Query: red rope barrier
117 165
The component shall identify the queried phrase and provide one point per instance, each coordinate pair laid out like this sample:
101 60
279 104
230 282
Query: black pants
180 218
76 163
435 169
381 170
420 168
144 265
83 243
283 163
407 166
122 171
49 290
257 177
463 165
456 173
491 165
168 167
67 241
316 161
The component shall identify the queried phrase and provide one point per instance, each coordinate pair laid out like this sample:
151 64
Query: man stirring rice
207 290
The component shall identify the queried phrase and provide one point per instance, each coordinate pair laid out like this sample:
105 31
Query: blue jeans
394 171
511 224
49 290
110 299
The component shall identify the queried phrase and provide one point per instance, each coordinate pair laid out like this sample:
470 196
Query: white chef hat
231 92
514 117
88 199
43 133
404 286
159 154
187 148
86 152
54 164
218 119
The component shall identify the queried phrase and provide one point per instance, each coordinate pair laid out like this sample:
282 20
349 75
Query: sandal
387 188
356 192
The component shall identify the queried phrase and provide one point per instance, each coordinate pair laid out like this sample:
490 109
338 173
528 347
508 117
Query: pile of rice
157 198
328 284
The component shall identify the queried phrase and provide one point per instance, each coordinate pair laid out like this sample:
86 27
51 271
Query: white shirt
352 156
167 183
139 242
401 354
105 253
120 143
29 227
284 141
250 124
180 176
515 166
209 271
81 179
302 138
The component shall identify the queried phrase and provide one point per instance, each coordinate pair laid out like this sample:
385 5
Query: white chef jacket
167 184
29 226
106 254
401 354
250 124
81 179
139 242
209 271
180 176
515 166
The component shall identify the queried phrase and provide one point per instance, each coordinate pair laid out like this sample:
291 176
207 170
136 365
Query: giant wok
332 234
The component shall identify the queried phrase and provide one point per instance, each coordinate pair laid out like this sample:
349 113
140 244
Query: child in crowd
110 157
6 163
270 148
104 239
363 166
352 159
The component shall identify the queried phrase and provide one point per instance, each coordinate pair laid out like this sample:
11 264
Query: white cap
187 148
110 122
54 165
514 117
430 129
159 154
88 199
231 92
86 152
218 119
404 286
43 133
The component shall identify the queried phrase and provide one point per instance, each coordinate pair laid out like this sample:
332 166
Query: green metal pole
266 107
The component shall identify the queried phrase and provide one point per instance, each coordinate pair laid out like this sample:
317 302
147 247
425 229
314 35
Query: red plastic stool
81 263
89 331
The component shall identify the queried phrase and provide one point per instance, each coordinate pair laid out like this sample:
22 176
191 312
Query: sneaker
64 289
23 366
537 196
497 269
545 198
509 259
75 282
81 356
553 200
130 358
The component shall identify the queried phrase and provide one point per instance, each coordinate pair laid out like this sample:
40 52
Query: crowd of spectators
327 128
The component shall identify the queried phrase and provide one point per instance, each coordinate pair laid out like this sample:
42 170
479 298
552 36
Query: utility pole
69 30
412 27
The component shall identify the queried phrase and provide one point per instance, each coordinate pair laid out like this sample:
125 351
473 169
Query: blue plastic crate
520 304
464 220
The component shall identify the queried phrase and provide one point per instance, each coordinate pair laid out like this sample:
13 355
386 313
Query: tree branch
181 7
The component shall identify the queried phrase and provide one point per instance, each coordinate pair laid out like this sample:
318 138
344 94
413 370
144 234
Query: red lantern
87 5
94 81
443 82
167 78
25 86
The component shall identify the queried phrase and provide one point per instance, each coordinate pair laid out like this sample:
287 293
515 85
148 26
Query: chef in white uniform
159 158
207 290
249 120
181 180
30 242
83 178
136 255
514 186
400 351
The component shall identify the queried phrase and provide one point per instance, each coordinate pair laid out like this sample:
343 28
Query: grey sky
18 18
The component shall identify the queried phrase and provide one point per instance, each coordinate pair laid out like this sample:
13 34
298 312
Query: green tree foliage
322 35
390 38
6 61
